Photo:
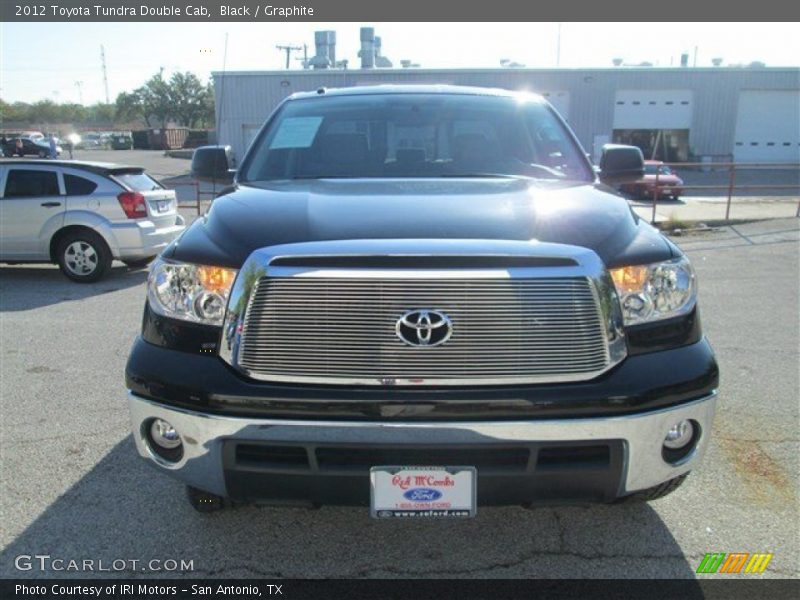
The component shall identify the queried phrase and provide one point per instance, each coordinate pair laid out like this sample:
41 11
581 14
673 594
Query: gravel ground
74 488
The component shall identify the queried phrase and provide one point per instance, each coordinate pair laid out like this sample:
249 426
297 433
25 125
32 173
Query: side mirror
213 163
621 164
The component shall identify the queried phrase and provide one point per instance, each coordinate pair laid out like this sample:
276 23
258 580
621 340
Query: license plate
162 206
423 492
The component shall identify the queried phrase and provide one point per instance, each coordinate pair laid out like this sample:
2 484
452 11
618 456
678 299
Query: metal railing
198 194
731 185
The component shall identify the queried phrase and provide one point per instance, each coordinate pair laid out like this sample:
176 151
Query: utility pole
79 85
304 61
105 73
288 50
558 47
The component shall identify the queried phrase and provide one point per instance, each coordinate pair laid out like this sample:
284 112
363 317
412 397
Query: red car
669 183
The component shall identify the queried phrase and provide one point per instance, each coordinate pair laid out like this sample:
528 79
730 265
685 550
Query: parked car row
113 140
82 215
29 145
37 144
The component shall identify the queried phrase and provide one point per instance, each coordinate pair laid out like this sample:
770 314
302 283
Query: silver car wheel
80 258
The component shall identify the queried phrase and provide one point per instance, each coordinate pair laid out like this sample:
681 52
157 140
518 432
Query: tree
183 97
188 98
156 98
44 111
129 107
101 113
13 112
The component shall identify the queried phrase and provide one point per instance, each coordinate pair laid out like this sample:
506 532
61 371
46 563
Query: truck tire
655 492
83 256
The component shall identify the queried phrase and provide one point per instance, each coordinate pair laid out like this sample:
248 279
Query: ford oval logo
422 495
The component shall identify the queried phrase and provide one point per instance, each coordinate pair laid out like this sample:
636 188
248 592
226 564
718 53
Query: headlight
654 292
189 292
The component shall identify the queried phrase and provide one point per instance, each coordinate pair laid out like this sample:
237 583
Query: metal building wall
245 99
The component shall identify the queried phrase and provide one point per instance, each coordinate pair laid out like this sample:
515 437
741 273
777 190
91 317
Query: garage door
768 126
653 109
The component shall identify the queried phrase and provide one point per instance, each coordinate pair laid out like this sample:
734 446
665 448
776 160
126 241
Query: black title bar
733 588
398 10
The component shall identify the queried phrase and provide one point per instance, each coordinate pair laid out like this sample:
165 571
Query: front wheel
83 256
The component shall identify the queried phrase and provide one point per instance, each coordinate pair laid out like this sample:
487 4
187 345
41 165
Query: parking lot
74 487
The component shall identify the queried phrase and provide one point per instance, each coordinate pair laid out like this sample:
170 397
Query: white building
675 114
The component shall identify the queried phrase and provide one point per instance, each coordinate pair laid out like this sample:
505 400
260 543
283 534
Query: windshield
415 135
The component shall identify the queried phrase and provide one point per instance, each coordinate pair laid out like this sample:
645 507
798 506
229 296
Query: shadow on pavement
30 287
122 509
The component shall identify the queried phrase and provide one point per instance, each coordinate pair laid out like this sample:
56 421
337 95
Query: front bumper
625 455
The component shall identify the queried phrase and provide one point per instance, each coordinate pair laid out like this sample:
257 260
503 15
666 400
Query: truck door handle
48 204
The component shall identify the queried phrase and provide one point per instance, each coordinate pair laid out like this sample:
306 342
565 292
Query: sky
45 60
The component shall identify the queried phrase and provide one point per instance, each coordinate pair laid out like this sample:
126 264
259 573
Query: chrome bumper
642 433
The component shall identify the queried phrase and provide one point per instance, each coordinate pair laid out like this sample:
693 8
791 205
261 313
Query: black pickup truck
422 299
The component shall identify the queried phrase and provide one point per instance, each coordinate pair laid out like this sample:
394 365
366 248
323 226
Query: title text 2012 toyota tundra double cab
422 299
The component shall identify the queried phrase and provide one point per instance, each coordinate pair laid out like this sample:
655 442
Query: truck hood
580 214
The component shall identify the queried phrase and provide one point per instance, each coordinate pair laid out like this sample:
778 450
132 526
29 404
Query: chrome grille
504 330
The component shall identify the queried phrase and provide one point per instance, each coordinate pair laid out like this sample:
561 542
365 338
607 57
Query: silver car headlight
189 292
656 291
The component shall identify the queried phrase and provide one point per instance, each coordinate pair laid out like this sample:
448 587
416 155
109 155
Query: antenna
288 50
218 124
105 73
558 47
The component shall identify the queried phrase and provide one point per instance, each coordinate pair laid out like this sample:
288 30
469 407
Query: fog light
679 435
164 435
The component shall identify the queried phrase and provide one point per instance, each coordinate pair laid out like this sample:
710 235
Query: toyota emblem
424 328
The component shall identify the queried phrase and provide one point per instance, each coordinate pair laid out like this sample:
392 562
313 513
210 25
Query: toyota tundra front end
422 300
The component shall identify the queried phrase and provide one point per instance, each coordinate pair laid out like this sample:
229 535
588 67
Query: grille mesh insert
503 330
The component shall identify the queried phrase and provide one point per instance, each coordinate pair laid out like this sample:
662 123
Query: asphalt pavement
74 488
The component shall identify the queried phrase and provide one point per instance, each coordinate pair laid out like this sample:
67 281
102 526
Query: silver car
83 215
